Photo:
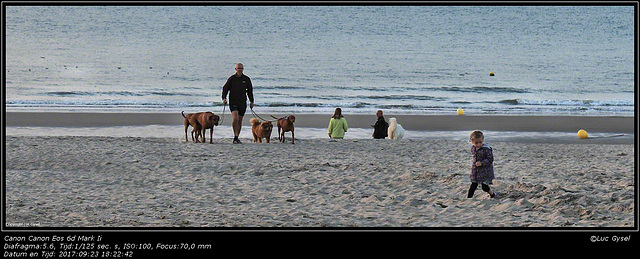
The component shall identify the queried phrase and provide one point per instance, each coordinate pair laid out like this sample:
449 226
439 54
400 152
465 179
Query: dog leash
258 116
224 107
277 118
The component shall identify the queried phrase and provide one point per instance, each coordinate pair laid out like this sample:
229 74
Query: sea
534 60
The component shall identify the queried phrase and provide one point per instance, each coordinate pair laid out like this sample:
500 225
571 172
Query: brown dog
286 124
261 130
190 120
207 120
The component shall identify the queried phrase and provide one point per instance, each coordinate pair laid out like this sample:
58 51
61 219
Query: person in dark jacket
482 166
380 128
238 87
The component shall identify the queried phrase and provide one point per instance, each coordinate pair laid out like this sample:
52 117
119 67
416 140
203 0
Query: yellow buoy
491 74
582 134
460 112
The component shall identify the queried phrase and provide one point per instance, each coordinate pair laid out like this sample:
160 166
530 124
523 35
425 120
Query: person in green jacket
337 125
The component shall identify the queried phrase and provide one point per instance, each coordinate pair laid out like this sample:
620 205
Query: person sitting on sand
337 125
380 128
482 166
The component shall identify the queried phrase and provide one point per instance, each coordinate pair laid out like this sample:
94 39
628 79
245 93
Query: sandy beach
80 181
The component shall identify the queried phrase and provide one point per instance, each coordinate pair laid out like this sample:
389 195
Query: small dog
190 120
261 130
207 120
286 124
395 130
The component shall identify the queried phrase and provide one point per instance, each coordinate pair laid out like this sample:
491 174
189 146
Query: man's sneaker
236 141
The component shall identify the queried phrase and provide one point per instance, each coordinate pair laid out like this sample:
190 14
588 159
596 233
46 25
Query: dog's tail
183 114
254 121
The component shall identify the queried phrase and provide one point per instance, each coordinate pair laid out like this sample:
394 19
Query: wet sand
410 122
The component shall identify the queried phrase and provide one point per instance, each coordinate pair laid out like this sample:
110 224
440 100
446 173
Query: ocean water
547 60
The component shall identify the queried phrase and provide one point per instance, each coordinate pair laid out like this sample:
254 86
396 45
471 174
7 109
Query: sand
79 181
57 177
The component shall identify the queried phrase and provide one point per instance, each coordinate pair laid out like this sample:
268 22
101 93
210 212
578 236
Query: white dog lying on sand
395 130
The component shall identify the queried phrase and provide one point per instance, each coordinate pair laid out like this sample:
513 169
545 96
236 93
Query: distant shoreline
529 123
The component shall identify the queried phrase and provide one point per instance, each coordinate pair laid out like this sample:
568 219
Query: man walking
239 87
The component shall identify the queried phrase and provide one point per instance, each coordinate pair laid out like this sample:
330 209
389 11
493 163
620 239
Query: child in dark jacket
482 167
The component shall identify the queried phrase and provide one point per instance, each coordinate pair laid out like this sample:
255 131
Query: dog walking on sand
207 120
261 130
286 124
200 122
190 120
